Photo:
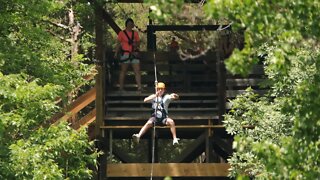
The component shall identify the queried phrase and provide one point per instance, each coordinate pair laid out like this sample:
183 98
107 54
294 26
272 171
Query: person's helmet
161 85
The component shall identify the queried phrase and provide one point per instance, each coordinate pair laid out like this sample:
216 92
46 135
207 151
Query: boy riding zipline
160 105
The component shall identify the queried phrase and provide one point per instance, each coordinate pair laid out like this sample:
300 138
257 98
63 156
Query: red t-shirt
125 41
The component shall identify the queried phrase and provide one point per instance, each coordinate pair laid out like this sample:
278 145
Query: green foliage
25 104
36 69
269 125
284 143
164 10
277 25
28 46
177 12
57 153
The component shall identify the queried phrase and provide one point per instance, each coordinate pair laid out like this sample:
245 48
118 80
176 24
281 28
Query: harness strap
130 42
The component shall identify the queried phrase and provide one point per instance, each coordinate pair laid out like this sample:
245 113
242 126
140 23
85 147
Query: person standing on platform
128 48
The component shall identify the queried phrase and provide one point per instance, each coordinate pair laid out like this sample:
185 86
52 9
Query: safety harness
130 42
159 111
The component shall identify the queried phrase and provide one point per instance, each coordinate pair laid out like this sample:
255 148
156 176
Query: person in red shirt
128 44
174 45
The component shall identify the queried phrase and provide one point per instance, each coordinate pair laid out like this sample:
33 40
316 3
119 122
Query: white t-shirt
166 101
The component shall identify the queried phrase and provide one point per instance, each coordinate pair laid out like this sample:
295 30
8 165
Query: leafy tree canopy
284 143
36 67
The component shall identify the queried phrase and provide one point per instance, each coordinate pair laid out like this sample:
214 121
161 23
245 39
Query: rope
155 113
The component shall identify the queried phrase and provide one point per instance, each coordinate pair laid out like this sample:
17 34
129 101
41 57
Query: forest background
47 47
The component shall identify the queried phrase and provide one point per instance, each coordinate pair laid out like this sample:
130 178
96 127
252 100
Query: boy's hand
175 96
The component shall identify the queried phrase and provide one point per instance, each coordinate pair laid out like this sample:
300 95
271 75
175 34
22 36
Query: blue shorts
129 61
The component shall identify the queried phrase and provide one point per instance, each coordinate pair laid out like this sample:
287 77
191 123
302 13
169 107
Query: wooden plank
196 101
192 151
162 127
135 109
135 94
86 120
234 93
126 118
76 106
147 57
168 169
222 147
186 27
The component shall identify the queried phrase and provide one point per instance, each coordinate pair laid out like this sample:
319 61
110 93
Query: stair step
145 94
127 118
111 102
135 109
162 127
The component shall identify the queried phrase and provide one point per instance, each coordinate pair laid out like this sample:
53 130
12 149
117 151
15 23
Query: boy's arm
174 96
149 98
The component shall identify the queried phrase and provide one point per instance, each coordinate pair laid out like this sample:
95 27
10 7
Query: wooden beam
121 155
86 120
108 19
161 127
221 70
100 86
105 15
187 27
168 169
75 106
176 118
192 151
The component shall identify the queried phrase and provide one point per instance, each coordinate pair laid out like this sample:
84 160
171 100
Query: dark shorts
159 122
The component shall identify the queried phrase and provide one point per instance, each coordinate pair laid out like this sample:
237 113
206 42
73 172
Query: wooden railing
75 107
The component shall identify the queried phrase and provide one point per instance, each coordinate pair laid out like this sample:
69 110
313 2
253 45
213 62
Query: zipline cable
155 112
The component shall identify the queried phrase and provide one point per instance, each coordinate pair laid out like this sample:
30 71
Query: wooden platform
204 89
168 169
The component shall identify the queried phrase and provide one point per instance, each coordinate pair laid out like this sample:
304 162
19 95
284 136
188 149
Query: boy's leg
171 123
149 123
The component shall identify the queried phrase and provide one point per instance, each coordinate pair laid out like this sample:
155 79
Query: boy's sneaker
175 141
136 138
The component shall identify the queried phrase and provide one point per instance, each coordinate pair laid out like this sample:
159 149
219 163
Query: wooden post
221 70
209 148
100 89
151 38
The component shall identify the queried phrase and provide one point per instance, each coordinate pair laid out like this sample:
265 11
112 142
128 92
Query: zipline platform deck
168 169
196 82
203 87
194 112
